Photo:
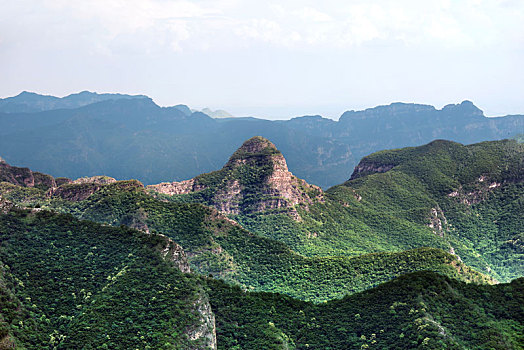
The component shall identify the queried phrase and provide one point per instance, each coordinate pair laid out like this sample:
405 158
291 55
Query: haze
274 59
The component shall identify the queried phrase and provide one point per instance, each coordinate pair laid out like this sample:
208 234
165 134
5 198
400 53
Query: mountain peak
464 108
255 147
255 179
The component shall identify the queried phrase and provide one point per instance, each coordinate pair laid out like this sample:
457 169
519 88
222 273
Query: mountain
462 199
134 138
27 102
255 178
219 246
101 263
219 113
119 288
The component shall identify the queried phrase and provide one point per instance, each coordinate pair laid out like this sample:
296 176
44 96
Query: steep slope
255 178
71 284
471 195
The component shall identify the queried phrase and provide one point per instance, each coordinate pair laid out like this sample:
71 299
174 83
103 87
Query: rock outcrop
482 188
255 179
366 167
205 331
174 253
82 188
25 177
437 221
5 205
100 180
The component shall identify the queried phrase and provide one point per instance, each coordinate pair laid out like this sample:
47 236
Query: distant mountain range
27 102
127 136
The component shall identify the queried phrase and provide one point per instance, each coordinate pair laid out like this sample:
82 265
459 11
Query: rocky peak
255 179
465 108
255 147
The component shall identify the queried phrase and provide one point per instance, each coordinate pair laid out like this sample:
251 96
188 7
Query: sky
272 59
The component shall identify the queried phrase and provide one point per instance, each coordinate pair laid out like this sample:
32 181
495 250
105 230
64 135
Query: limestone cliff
255 179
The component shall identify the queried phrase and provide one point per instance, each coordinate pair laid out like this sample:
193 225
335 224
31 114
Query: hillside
422 310
70 284
75 284
131 137
463 199
472 195
219 246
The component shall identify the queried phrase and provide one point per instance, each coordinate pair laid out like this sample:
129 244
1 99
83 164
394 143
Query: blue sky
269 58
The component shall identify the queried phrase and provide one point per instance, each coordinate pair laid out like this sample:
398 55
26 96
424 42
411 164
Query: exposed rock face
205 332
367 168
174 253
483 187
182 187
100 180
437 221
255 179
25 177
74 192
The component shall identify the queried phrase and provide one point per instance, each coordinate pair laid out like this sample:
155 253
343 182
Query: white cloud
197 25
311 14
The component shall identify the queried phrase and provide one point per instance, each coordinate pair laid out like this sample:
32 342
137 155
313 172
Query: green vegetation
220 248
422 310
70 284
476 190
75 284
366 266
325 255
471 195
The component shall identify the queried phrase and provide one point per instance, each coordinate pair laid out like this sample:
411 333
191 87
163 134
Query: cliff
24 177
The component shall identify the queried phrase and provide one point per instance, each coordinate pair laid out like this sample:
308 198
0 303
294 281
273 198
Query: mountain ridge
132 139
29 102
